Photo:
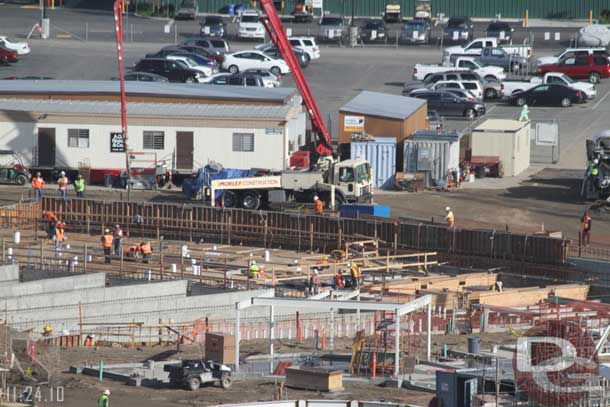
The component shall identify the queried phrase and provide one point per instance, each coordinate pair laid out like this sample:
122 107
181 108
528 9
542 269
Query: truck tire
21 179
226 381
491 93
251 200
230 199
193 383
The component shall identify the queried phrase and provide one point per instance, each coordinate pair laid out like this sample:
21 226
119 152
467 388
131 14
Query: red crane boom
274 27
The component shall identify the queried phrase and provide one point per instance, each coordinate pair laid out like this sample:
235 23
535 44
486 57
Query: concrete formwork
78 282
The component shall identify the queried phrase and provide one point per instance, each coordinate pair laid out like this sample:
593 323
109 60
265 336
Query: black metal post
352 22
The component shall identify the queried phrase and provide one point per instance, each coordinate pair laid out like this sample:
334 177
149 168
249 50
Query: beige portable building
507 139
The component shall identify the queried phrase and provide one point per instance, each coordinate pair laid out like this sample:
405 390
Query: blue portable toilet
231 8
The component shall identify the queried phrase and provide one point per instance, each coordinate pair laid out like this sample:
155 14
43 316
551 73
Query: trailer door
46 147
184 150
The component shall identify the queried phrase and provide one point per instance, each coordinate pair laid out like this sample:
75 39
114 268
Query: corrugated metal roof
504 125
383 104
433 135
148 88
147 109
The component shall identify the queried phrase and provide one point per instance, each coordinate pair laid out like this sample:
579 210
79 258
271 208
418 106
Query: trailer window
78 138
154 140
243 141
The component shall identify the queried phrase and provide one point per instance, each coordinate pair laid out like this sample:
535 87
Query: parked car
448 104
475 47
462 93
466 63
307 44
201 60
215 45
187 49
7 55
571 52
240 79
144 77
547 95
22 48
270 80
492 89
250 26
514 86
213 26
591 67
458 29
500 30
272 51
373 30
174 71
332 27
243 60
474 87
188 10
434 120
192 64
204 52
415 32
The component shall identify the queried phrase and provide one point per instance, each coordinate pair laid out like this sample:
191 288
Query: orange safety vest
319 207
355 272
63 183
450 218
37 182
59 235
585 222
49 216
107 241
146 249
339 280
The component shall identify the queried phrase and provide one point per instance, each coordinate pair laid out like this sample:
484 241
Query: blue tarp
207 174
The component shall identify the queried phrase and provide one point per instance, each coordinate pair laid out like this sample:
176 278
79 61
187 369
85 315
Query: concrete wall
9 273
61 284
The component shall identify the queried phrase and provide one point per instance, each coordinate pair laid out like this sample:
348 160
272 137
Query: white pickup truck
421 71
476 46
586 88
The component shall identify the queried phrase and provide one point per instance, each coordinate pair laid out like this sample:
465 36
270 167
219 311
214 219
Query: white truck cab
250 25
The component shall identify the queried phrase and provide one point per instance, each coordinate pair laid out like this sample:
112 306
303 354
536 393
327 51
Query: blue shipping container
381 154
356 210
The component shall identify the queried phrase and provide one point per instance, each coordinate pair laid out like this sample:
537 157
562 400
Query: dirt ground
80 390
548 198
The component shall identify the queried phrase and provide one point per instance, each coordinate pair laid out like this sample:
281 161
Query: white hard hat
107 392
62 173
447 209
107 230
315 198
596 161
253 261
525 106
315 271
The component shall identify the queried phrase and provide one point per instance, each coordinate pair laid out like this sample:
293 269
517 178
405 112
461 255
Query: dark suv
215 45
448 104
174 71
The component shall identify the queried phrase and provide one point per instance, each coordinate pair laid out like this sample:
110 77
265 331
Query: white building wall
210 144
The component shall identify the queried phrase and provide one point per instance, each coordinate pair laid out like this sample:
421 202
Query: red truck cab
591 67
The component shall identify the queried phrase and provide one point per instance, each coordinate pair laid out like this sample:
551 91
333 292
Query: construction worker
319 206
37 185
79 186
594 172
104 399
59 236
51 220
586 228
107 245
339 284
133 251
146 250
316 282
323 263
354 270
47 331
63 182
254 270
450 218
118 235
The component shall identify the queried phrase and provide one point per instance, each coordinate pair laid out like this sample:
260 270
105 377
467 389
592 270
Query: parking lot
334 79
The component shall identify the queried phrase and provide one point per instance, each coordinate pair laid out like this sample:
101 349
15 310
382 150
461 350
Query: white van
250 25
